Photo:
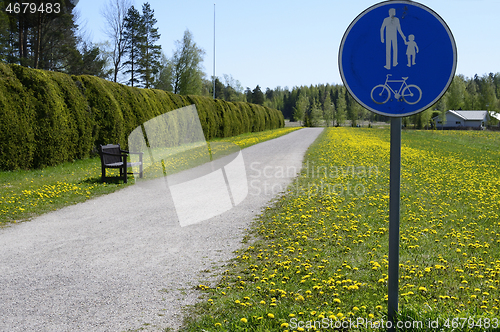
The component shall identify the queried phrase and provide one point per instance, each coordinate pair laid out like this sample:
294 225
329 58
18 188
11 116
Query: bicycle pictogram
409 93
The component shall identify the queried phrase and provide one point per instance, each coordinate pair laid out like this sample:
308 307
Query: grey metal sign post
397 58
394 208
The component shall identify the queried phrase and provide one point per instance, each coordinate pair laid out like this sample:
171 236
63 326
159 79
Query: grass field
317 258
26 194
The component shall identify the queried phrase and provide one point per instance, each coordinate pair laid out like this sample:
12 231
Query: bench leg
123 171
103 174
140 166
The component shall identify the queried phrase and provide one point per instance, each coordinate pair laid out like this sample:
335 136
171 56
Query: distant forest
333 105
37 36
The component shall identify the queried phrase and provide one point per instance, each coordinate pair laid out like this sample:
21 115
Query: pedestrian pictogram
397 58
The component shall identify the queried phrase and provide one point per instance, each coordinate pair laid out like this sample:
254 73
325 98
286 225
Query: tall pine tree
134 36
257 96
149 63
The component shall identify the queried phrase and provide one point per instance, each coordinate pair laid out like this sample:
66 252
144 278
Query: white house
455 119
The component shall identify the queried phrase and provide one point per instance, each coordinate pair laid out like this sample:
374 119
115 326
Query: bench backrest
111 148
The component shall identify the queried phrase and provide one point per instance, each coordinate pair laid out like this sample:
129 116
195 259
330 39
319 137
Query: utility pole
214 55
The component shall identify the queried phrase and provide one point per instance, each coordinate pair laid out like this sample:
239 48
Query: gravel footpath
121 262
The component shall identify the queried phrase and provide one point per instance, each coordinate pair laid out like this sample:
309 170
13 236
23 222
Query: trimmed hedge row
47 118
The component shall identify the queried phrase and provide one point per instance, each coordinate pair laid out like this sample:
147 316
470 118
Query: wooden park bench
112 156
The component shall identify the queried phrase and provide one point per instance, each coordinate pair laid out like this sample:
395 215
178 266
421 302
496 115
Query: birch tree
114 13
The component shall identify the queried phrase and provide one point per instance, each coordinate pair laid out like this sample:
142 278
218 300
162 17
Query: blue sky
292 43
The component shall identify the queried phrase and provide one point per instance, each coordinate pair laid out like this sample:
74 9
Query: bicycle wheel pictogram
411 94
380 94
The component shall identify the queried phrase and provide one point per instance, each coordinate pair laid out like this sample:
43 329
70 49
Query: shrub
17 119
56 129
108 122
47 118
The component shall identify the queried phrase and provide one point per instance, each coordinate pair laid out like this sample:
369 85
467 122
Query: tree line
138 60
46 37
132 55
52 40
332 105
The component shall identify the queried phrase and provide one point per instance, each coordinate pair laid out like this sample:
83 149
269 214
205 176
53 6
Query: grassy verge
318 257
26 194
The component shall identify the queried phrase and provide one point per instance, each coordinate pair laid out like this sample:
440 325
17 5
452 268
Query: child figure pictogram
411 50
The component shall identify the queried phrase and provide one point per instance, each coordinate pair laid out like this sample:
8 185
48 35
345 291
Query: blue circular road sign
397 58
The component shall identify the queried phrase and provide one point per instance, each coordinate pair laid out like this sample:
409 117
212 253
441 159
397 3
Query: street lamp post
214 55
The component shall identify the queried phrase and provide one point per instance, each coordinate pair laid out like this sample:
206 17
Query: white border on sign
452 39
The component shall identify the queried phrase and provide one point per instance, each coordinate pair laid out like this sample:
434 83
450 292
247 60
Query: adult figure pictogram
392 27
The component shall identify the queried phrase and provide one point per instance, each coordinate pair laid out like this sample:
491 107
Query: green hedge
17 122
47 117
